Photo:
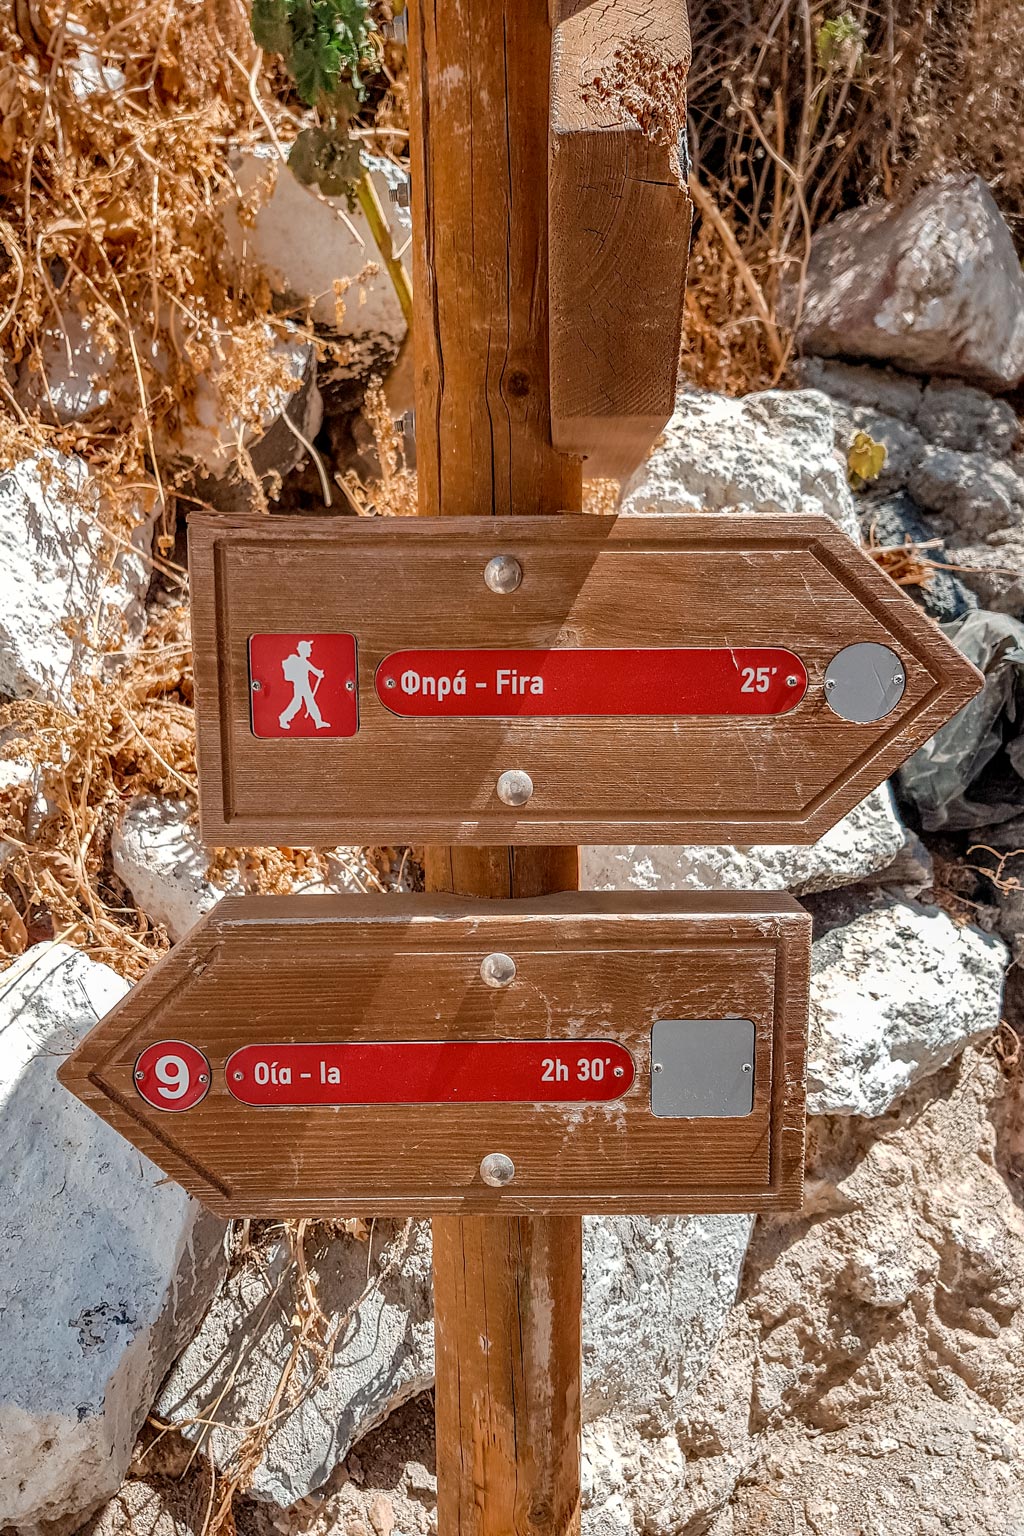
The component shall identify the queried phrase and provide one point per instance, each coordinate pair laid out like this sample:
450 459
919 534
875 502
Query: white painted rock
156 851
896 994
72 382
60 570
106 1269
769 452
385 1355
658 1292
305 242
863 844
206 436
935 287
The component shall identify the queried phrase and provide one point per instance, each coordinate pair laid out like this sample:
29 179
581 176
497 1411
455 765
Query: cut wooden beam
619 225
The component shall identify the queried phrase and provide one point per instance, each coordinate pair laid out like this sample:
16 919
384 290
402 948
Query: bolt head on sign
303 685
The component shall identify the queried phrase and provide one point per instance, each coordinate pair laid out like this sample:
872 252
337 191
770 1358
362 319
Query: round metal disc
864 682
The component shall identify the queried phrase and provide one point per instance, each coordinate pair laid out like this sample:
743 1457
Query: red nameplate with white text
670 680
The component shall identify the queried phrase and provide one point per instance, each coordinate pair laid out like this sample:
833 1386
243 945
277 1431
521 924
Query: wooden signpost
705 678
504 1053
304 1056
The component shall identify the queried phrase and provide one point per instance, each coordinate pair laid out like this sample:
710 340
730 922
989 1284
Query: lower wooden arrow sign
317 1056
650 679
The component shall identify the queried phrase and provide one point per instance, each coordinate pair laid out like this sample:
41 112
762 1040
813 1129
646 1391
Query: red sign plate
432 1072
675 680
172 1075
303 685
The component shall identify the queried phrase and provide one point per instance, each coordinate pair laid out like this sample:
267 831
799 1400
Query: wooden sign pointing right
704 678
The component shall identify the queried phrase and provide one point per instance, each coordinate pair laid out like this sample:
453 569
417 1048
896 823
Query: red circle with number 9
172 1075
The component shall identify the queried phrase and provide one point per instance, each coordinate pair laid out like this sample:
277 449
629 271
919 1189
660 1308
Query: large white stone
69 590
305 242
658 1292
69 379
769 452
207 433
896 993
106 1266
156 851
934 286
383 1356
863 844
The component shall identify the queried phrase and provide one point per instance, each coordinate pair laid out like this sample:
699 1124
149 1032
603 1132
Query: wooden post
507 1291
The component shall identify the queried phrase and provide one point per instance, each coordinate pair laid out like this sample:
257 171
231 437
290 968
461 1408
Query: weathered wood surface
479 107
479 91
511 1415
327 970
620 221
701 580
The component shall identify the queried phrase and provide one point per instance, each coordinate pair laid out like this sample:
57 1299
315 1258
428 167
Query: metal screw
618 1071
503 574
498 970
238 1076
256 685
350 686
140 1077
400 193
497 1170
897 680
405 425
389 682
204 1077
658 1067
747 1067
792 682
514 787
830 683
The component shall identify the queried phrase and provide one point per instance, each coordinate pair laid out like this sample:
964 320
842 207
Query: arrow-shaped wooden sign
312 1056
707 678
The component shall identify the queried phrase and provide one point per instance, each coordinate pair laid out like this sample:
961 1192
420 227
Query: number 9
173 1076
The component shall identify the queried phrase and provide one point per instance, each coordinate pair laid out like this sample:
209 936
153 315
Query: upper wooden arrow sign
316 1056
708 678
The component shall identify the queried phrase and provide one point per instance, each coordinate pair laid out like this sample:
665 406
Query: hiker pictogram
303 685
299 670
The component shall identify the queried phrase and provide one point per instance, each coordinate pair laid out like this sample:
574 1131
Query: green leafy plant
328 47
840 43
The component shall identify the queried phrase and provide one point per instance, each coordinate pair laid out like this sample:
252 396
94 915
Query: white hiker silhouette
299 671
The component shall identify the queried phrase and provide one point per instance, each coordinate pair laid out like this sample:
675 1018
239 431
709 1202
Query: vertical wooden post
507 1291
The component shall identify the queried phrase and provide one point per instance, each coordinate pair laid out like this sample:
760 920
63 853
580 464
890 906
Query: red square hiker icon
303 685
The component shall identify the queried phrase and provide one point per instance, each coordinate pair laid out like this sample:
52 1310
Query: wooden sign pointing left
302 1056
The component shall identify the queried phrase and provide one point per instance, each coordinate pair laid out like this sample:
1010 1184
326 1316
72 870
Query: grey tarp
972 772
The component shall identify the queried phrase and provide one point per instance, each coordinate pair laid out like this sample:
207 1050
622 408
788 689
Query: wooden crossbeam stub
619 225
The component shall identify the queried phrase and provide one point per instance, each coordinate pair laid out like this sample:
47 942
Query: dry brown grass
790 124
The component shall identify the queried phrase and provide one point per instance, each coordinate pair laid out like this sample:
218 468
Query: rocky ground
855 1370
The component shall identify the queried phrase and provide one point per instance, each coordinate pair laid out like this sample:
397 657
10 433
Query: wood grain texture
619 217
697 579
512 1415
479 103
288 970
507 1292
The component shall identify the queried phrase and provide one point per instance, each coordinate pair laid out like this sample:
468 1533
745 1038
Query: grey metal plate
701 1068
864 682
